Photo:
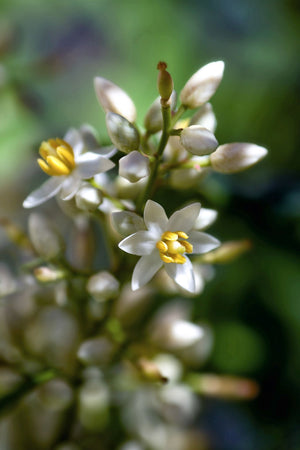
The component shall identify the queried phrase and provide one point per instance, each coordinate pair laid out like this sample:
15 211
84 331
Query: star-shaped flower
166 242
67 164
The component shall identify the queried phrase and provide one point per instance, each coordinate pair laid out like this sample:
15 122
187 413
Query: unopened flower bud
96 351
227 252
186 178
112 98
134 166
45 239
164 82
149 371
122 133
198 140
88 198
46 274
103 286
202 85
235 157
93 405
205 118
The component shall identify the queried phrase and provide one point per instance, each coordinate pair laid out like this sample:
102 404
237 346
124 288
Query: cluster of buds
106 345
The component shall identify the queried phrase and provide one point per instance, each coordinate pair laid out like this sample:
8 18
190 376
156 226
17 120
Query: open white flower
67 164
165 242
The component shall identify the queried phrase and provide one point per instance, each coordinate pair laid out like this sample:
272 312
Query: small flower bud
198 140
45 239
202 85
227 252
102 286
93 403
164 82
186 178
235 157
205 118
112 98
122 133
46 274
134 166
88 198
96 352
56 395
149 371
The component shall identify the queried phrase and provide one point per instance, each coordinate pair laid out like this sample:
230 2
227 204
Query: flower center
172 247
58 157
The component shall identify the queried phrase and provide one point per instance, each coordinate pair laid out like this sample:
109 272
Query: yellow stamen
172 247
58 157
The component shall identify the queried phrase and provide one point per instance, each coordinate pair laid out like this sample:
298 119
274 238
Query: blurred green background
50 52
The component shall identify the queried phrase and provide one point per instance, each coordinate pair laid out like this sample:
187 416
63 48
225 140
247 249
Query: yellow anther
58 166
179 259
182 234
58 157
162 246
169 236
172 247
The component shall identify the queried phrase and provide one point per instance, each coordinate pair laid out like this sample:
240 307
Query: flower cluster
110 337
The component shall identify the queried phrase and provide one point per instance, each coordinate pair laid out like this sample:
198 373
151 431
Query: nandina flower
166 242
67 164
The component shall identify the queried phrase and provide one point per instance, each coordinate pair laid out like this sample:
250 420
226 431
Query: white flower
165 242
67 164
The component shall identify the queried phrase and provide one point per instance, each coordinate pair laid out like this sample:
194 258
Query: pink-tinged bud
235 157
122 133
202 85
198 140
134 166
112 98
164 82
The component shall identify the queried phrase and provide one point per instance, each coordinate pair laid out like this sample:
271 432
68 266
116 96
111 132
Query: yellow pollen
58 157
172 246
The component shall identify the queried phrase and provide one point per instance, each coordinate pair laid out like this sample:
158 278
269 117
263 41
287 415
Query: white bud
126 222
88 198
198 140
96 351
202 85
122 133
112 98
205 117
186 178
235 157
44 237
102 286
93 403
56 395
134 166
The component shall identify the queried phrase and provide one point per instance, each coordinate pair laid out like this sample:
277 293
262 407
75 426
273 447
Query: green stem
166 113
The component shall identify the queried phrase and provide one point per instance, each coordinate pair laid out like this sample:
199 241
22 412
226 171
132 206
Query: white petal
89 164
184 219
155 217
139 243
113 98
70 187
48 189
202 242
182 274
126 222
205 219
145 269
202 85
73 138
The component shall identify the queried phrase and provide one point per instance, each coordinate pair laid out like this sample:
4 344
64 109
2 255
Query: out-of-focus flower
102 286
235 157
134 166
67 164
112 98
44 237
202 85
165 242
